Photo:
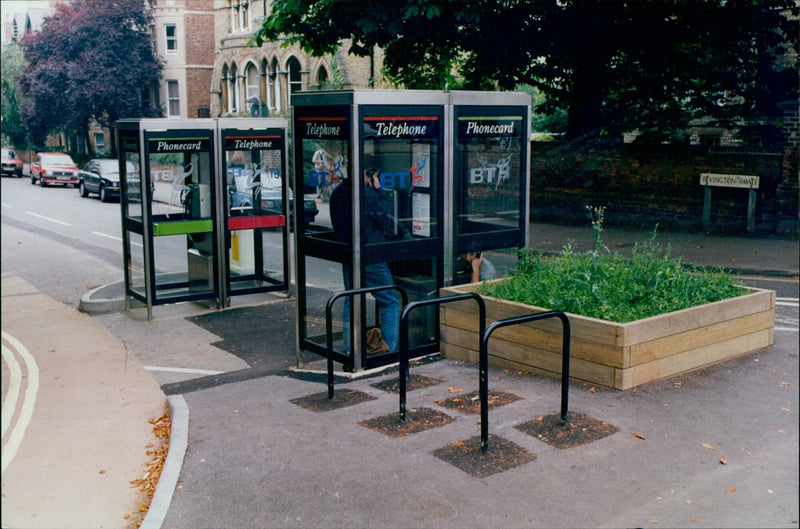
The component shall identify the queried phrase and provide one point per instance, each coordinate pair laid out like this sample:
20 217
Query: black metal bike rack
484 365
329 322
403 345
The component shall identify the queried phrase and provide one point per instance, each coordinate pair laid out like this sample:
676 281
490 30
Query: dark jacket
377 219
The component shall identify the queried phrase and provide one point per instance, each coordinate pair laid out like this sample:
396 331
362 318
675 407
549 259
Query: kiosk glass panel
400 208
490 171
256 208
323 161
490 179
180 166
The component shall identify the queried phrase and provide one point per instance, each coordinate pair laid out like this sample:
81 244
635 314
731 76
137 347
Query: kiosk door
257 201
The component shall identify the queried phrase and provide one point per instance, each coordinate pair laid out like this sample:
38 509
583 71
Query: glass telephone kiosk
196 225
451 170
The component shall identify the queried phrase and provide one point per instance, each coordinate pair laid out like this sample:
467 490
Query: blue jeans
376 275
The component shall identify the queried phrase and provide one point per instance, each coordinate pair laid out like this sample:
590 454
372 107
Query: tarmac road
255 459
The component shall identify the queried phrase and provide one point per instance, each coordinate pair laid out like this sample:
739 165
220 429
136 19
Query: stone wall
641 187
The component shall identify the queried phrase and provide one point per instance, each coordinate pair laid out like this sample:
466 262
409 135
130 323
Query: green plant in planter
612 287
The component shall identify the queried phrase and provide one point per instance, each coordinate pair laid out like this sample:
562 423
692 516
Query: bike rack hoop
329 323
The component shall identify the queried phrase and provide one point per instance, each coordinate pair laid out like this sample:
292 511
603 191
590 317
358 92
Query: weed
612 287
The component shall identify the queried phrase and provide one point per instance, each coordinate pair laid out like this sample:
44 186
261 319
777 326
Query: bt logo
491 173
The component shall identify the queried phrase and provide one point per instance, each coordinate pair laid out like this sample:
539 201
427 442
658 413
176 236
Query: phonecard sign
169 145
489 126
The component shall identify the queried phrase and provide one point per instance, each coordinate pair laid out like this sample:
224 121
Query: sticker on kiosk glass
493 165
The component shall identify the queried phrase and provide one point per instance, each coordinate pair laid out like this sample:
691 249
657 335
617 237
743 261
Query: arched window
295 78
262 83
322 76
252 88
233 90
276 85
223 86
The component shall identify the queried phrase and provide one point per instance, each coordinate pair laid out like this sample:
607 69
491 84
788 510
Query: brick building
211 71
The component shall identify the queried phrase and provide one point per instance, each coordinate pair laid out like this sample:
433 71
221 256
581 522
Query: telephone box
195 221
409 183
256 206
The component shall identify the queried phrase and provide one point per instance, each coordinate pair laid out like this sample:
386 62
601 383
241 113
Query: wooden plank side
526 337
695 358
461 314
458 344
702 336
701 316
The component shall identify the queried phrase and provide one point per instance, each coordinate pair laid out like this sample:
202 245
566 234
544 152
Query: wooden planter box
614 355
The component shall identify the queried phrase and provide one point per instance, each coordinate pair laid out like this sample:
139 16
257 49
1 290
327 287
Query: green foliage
612 287
91 60
606 67
13 64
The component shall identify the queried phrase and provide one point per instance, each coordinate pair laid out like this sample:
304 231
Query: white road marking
787 329
107 236
183 370
48 218
788 302
29 401
10 404
113 237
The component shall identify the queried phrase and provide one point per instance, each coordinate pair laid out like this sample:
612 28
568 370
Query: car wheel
41 182
33 181
82 189
103 195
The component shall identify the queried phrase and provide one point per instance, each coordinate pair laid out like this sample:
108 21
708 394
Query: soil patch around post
319 402
501 455
414 382
470 403
579 430
417 420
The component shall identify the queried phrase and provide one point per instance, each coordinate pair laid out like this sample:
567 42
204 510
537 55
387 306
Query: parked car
54 168
272 199
12 165
101 176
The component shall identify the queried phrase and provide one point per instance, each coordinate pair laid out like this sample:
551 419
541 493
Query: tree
92 60
616 65
13 63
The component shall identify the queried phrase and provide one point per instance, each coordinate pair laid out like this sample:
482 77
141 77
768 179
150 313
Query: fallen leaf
640 436
693 520
126 516
457 400
708 446
652 521
102 472
786 383
723 460
454 390
785 409
591 389
732 489
143 508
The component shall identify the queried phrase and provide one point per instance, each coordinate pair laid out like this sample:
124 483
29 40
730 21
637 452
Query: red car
11 163
54 168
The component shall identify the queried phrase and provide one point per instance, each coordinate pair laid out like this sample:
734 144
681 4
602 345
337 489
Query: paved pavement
243 454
